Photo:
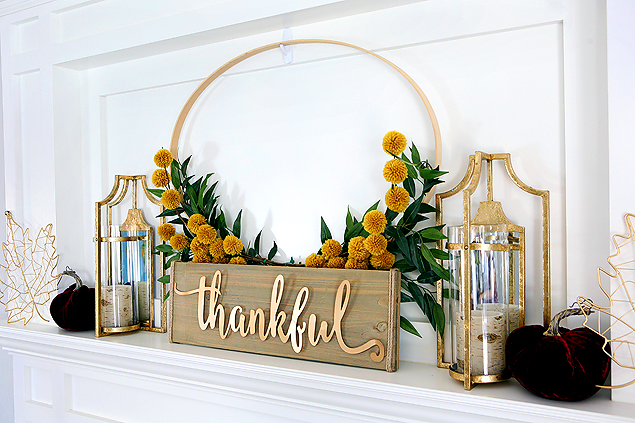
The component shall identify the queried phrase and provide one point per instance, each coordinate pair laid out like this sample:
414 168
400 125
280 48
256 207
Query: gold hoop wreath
178 127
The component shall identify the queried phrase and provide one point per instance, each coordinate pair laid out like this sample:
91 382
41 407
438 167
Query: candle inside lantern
487 342
116 303
512 311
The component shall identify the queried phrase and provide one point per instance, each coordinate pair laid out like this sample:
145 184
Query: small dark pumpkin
74 309
558 363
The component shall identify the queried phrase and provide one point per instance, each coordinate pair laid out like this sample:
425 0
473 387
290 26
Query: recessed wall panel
36 167
25 36
131 399
38 384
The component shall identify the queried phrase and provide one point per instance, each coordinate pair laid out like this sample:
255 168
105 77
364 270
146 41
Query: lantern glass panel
493 296
451 292
119 293
136 272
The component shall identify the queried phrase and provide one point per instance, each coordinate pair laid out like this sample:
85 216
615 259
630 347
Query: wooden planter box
332 315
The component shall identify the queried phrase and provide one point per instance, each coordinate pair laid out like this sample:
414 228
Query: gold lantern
485 296
124 270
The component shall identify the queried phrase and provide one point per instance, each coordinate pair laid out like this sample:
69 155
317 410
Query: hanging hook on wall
287 51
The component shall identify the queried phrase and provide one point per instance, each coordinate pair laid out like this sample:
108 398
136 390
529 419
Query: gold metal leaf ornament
619 287
27 276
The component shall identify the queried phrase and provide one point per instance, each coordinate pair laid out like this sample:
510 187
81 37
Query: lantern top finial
135 221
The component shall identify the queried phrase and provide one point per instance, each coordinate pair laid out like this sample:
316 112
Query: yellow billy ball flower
314 260
207 234
220 260
375 222
195 221
397 199
394 143
171 199
160 178
216 248
197 247
356 249
163 158
166 231
331 248
383 261
203 258
336 263
395 171
179 242
237 260
356 264
232 245
375 244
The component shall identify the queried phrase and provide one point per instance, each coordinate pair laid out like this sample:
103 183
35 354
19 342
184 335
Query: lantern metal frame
134 221
490 212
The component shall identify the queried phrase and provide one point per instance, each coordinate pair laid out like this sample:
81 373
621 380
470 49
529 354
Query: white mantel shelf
78 377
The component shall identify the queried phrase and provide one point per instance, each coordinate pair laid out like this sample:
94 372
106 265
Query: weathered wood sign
332 315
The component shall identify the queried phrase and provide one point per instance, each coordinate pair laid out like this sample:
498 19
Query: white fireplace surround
91 89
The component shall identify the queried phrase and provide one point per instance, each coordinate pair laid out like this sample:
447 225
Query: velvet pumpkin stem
554 326
74 275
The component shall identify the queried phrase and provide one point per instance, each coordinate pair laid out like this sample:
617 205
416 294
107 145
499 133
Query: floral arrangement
380 240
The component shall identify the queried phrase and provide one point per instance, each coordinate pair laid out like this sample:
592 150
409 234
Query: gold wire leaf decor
619 287
27 278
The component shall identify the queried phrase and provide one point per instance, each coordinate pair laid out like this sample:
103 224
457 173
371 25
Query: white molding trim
12 6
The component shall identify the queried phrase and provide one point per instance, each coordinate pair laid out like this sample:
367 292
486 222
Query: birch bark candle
510 311
116 306
487 342
144 300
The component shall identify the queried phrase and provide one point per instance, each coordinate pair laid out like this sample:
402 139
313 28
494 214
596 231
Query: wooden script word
331 315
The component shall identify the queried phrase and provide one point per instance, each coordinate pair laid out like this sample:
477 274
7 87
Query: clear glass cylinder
136 252
119 295
493 296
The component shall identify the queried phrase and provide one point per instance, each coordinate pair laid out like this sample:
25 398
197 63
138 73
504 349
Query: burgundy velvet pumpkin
74 309
558 363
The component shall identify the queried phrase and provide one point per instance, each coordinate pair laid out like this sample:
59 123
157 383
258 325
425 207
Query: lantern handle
468 185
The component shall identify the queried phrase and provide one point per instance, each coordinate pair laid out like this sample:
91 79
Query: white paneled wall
91 89
516 80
